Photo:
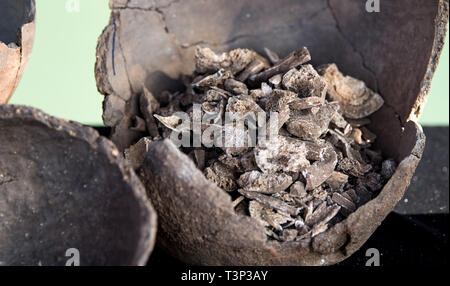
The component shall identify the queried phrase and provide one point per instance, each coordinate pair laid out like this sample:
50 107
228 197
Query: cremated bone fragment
299 183
148 105
264 183
356 99
303 180
293 60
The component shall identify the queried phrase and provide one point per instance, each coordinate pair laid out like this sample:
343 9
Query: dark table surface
416 232
428 192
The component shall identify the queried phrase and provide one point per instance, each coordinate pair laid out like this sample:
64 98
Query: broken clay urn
147 46
64 187
17 26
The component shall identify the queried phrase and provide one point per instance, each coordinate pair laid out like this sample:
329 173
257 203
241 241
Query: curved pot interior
154 44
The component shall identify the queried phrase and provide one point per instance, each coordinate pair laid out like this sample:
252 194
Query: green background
60 75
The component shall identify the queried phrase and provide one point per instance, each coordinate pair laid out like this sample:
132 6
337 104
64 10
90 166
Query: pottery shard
113 110
256 181
356 99
281 154
222 176
308 125
306 82
337 180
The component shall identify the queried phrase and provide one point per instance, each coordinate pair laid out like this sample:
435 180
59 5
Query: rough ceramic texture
198 224
17 26
63 186
149 44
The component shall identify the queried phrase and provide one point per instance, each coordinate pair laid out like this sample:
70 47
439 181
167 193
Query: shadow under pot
150 48
17 28
67 196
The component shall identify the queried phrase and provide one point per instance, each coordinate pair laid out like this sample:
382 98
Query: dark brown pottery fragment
67 187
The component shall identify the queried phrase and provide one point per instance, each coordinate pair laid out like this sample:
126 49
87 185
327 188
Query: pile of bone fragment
318 169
